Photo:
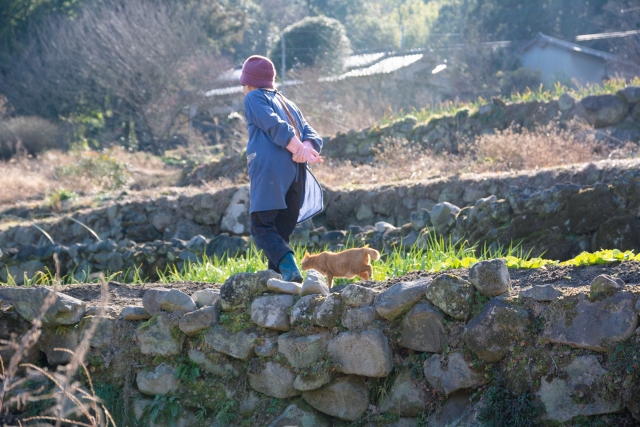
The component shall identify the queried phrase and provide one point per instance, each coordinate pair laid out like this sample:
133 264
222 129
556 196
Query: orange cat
349 263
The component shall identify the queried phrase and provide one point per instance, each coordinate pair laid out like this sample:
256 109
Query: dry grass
509 150
29 179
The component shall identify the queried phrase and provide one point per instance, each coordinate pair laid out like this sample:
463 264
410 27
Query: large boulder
132 312
302 351
347 398
400 298
236 216
491 278
452 376
580 323
604 110
451 294
160 381
241 288
422 329
155 336
12 328
312 380
239 345
272 311
281 287
103 332
540 293
64 310
365 353
272 379
206 297
358 296
443 216
358 318
297 415
196 321
490 334
152 300
406 397
577 391
606 285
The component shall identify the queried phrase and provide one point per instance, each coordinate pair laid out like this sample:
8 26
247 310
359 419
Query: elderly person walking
281 143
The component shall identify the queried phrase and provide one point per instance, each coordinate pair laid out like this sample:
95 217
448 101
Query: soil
121 295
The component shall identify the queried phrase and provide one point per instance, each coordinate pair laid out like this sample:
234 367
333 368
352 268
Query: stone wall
444 350
616 117
560 211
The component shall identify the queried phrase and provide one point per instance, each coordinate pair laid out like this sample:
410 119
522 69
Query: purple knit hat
258 71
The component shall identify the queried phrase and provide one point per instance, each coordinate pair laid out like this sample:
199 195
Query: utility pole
284 55
402 38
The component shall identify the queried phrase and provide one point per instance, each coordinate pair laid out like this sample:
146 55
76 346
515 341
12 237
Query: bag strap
286 110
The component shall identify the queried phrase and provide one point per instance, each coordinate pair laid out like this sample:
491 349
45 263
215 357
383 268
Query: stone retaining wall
444 350
561 212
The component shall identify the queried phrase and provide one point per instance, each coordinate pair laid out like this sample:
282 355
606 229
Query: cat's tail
375 255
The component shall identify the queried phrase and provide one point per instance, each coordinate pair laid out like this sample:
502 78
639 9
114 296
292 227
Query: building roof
541 38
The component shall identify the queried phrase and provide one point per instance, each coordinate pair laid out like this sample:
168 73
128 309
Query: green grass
438 255
540 94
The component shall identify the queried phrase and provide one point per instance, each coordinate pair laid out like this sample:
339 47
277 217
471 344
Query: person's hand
307 154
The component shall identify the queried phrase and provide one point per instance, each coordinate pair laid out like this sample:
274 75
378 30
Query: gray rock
444 215
98 310
155 337
134 313
65 310
457 411
491 278
420 219
329 313
206 297
607 285
272 312
174 300
58 337
302 351
272 379
241 288
453 376
383 227
422 329
583 375
139 405
238 345
197 244
591 325
452 295
311 381
215 363
236 216
314 283
604 110
357 296
566 102
295 415
160 381
188 257
196 321
268 346
631 94
347 398
365 353
282 287
358 318
304 310
405 398
490 334
152 300
540 293
400 298
103 332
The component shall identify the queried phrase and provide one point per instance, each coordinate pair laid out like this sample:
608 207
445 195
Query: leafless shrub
71 399
28 135
141 61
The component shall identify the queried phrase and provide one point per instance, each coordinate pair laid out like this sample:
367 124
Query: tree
314 41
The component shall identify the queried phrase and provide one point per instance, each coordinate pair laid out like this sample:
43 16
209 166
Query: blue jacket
271 167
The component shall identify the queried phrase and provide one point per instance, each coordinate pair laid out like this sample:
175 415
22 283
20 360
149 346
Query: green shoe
289 269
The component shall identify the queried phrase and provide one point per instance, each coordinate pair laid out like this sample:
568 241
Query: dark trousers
270 230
